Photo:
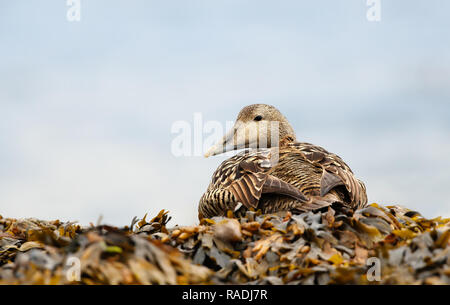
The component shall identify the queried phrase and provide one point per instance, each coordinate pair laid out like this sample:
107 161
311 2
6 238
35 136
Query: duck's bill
243 135
220 149
215 150
231 141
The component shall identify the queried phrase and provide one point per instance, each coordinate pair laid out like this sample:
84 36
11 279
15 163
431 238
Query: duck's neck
286 131
286 140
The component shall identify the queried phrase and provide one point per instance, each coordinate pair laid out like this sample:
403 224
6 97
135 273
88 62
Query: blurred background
86 108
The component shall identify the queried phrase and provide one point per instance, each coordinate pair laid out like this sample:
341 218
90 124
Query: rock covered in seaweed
331 246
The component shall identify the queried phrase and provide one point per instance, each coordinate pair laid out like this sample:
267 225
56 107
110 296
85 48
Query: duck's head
256 126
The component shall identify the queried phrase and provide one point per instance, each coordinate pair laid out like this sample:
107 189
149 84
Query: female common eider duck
286 175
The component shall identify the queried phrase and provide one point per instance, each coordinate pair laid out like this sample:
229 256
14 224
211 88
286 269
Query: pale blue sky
86 107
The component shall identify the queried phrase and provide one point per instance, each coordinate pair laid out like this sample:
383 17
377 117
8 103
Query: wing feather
335 171
248 178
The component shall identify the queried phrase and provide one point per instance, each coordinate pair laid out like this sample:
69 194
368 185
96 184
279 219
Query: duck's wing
335 172
246 177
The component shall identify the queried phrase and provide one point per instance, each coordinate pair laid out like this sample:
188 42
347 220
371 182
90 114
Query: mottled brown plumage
285 176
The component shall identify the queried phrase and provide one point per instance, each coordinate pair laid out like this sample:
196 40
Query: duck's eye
258 118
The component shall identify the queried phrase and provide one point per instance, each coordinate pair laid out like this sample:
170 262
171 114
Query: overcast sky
86 108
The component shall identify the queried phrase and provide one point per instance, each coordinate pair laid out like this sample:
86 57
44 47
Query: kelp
374 245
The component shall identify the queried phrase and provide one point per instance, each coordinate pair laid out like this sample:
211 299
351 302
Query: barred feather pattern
322 177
